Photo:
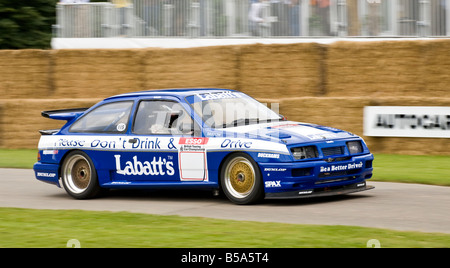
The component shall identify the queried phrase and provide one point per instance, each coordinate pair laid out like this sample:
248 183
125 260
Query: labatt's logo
153 168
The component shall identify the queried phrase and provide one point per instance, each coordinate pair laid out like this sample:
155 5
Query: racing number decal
192 159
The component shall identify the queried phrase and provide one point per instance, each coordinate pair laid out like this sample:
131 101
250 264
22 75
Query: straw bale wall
374 69
95 73
436 77
24 73
323 84
268 71
389 68
20 121
191 67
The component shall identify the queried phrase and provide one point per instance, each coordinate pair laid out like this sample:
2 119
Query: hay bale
274 71
375 68
339 112
22 126
96 73
191 67
436 68
24 74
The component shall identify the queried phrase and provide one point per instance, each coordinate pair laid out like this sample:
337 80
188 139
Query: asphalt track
395 206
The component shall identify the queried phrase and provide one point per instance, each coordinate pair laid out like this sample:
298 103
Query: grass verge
17 158
412 169
26 228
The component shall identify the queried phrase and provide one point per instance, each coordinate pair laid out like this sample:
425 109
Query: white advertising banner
407 121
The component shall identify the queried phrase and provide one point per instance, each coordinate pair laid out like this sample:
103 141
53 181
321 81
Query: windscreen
230 109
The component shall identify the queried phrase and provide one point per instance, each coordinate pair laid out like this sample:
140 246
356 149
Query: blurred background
260 18
31 24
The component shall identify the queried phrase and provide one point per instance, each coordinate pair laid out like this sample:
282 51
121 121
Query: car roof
177 92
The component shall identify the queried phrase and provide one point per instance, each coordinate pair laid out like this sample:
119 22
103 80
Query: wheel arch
63 158
92 189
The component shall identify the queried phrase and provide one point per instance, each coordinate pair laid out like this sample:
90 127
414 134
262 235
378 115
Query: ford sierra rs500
214 139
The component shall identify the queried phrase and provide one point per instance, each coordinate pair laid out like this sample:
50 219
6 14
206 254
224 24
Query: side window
108 118
162 117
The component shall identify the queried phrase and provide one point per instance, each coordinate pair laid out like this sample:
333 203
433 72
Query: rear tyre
241 179
79 177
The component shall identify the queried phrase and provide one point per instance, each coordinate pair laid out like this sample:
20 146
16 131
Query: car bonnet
288 132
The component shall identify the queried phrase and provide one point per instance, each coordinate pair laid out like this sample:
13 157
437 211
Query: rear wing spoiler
66 114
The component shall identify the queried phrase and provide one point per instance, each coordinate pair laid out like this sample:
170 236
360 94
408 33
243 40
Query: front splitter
320 192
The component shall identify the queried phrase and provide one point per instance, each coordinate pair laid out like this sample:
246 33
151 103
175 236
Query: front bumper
302 179
321 192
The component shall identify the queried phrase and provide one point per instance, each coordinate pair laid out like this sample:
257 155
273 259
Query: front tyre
241 179
79 177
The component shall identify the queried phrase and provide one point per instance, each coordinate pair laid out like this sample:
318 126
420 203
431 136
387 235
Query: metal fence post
194 20
447 17
167 19
57 28
304 17
423 24
265 26
338 17
106 21
127 23
394 16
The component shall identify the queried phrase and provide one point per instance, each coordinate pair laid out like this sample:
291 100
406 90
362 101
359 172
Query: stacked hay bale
190 67
436 67
24 73
96 73
339 112
21 120
277 71
384 68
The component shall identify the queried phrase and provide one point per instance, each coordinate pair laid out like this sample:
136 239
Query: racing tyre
79 177
241 179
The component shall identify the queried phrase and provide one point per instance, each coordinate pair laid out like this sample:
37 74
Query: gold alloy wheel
81 174
240 177
77 174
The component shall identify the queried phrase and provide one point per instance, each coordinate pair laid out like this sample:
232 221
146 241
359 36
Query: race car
212 139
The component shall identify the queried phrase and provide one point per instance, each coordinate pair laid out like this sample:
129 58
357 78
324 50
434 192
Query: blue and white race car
198 139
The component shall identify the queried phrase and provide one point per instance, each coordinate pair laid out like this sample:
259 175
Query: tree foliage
26 23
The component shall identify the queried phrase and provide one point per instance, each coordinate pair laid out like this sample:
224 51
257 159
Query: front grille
339 150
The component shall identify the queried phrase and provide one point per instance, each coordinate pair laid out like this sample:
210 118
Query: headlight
355 147
304 152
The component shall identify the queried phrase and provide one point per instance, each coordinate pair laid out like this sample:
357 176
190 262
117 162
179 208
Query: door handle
133 140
